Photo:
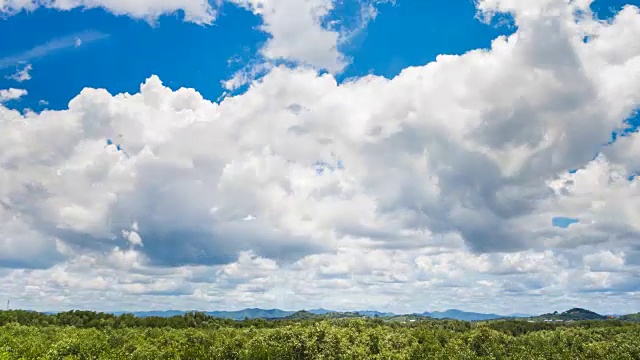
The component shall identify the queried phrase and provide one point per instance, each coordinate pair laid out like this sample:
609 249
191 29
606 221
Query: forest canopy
90 335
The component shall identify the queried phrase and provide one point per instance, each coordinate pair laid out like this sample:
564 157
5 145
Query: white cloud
21 75
368 12
51 46
246 75
301 32
132 237
11 94
439 183
197 11
603 198
297 31
10 6
605 261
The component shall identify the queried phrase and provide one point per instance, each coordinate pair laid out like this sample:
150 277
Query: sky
401 156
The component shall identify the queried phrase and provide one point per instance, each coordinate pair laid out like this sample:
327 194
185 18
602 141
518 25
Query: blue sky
486 173
197 56
183 54
121 50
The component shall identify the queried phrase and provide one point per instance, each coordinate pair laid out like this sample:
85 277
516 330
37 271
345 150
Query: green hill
407 318
305 315
461 315
302 315
630 317
575 314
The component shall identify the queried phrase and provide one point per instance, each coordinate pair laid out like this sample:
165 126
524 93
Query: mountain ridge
462 315
574 314
258 313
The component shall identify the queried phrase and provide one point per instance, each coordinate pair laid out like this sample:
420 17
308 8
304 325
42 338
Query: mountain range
256 313
575 314
462 315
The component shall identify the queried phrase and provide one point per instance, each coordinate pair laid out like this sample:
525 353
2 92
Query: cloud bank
397 194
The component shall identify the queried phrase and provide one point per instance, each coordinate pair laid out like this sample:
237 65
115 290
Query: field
83 335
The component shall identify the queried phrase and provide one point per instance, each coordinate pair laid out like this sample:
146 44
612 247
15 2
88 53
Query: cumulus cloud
311 40
11 94
133 237
299 31
303 32
440 181
21 75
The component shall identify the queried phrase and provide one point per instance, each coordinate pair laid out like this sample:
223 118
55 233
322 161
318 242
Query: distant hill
574 314
449 314
257 313
461 315
234 315
251 314
144 314
305 315
407 318
630 317
373 313
519 315
319 311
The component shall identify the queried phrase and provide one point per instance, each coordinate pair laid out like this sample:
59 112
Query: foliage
87 335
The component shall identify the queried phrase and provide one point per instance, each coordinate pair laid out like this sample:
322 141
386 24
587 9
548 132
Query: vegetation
88 335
